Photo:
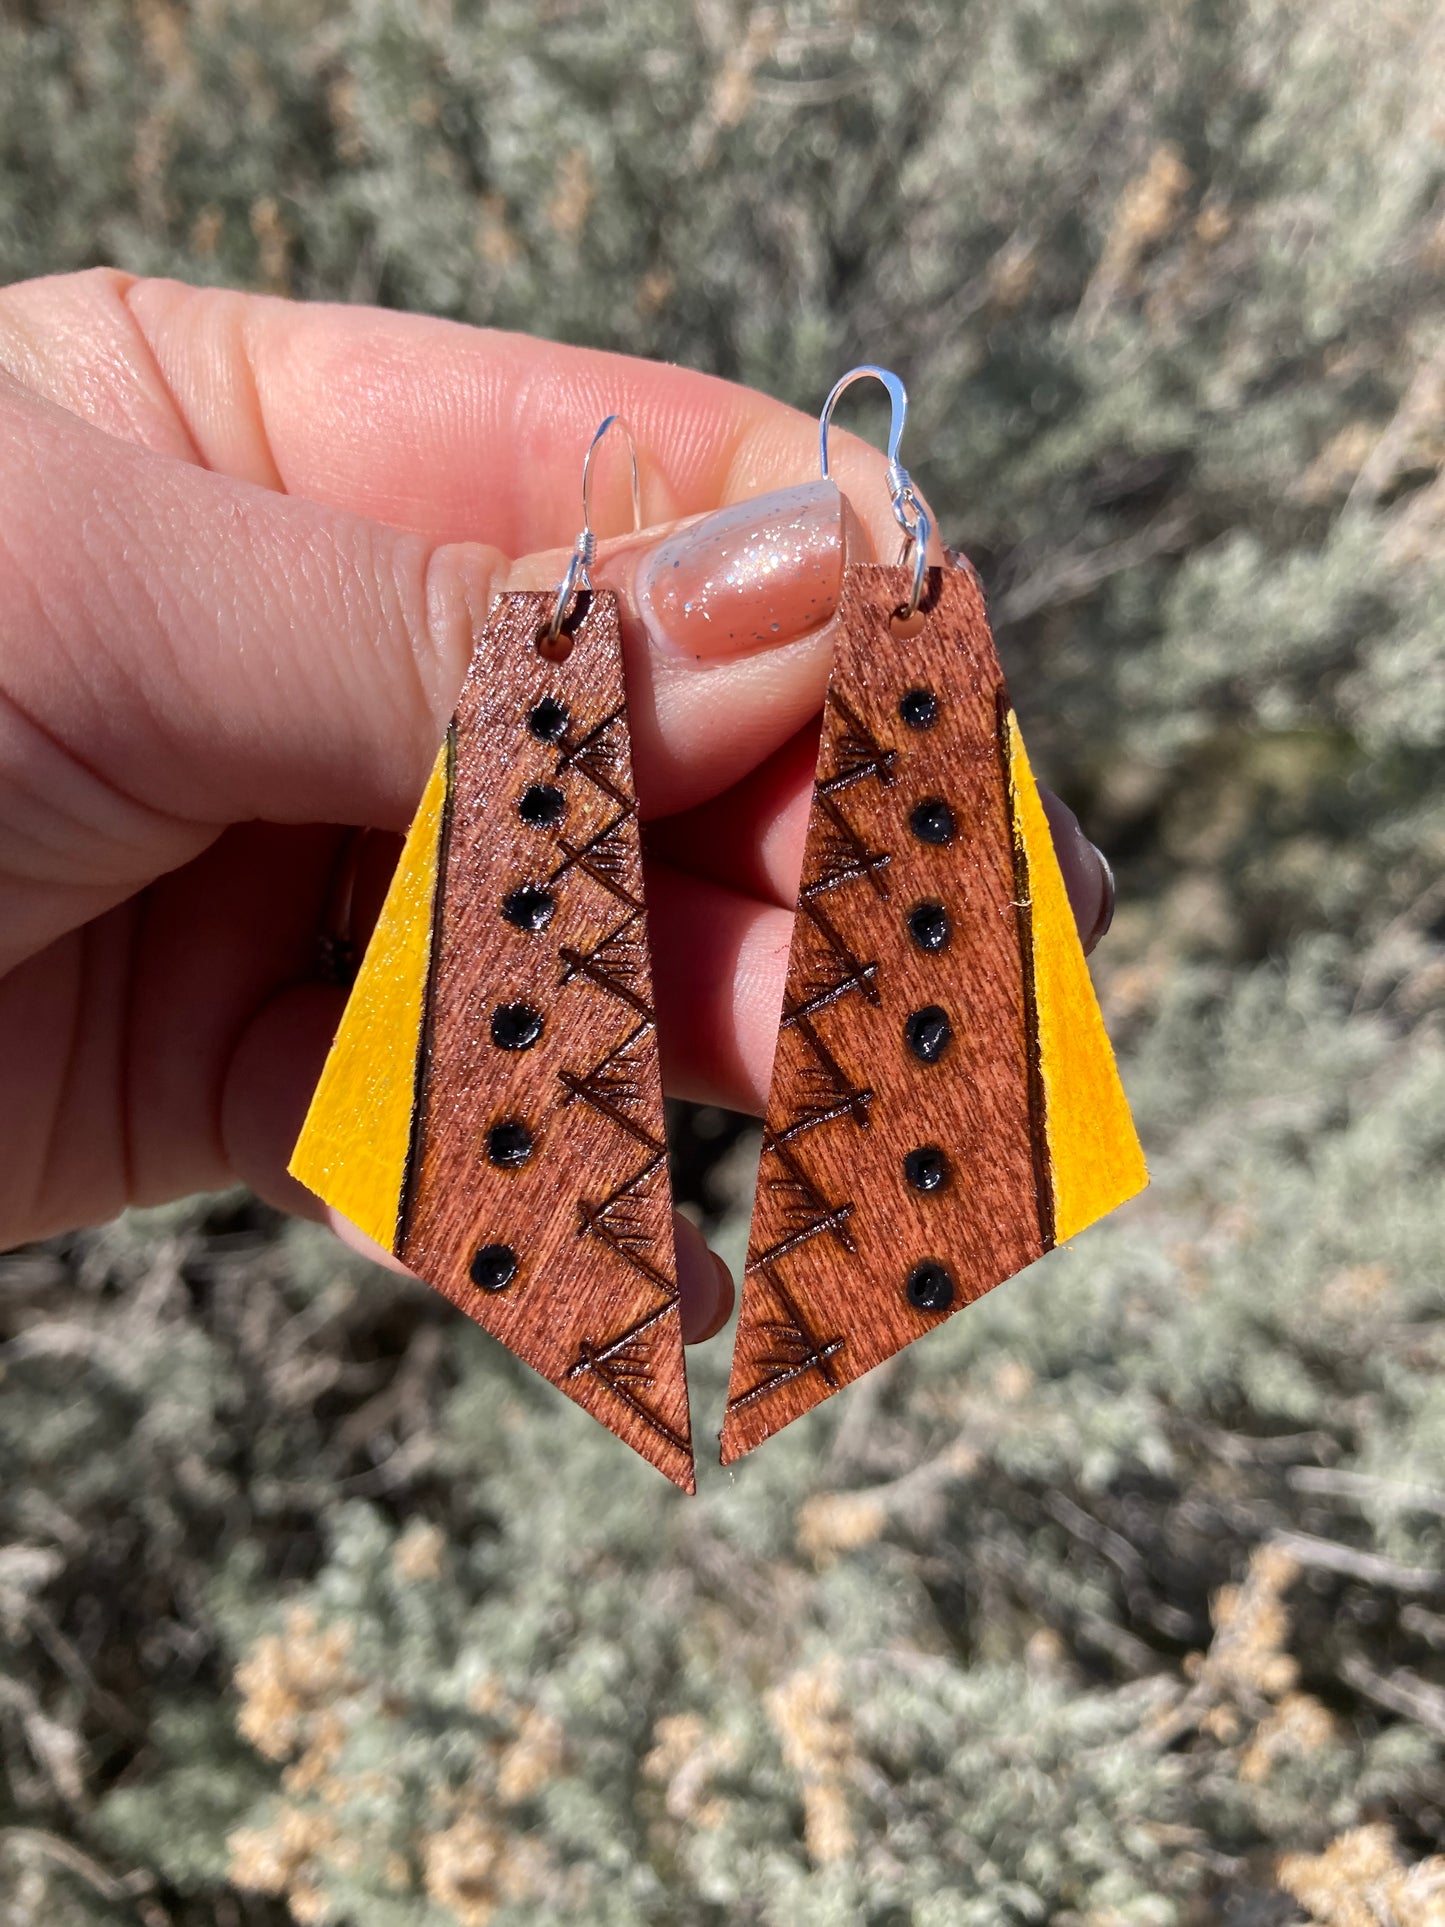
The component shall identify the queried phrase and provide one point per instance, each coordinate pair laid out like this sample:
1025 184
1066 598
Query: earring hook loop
578 575
908 511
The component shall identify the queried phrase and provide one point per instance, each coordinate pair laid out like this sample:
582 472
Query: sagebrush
1119 1600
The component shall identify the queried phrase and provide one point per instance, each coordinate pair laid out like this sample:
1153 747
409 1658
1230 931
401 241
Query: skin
245 547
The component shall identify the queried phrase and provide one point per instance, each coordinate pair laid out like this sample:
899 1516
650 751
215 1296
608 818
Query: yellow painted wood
1095 1157
353 1147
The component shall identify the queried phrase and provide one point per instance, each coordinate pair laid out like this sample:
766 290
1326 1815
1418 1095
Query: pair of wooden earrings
944 1105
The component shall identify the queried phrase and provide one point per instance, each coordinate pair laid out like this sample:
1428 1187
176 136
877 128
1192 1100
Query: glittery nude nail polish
764 572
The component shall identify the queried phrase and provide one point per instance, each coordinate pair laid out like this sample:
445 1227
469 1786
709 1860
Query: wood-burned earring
491 1110
944 1105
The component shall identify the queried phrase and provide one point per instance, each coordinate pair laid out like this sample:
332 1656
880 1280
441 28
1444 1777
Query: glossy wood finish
906 1163
536 1195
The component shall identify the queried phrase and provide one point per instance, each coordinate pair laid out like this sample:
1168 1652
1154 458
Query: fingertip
752 576
720 960
751 838
356 1240
1088 879
727 1295
704 1284
267 1089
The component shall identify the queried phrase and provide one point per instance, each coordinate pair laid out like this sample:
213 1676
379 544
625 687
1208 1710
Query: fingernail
1088 880
755 575
1106 902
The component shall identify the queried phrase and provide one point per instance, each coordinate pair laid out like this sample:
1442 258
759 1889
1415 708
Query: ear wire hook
578 575
908 511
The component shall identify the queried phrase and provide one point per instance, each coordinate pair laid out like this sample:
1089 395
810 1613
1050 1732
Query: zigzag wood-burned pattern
942 1073
536 1195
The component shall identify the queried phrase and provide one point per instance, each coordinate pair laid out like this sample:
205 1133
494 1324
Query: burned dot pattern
530 908
509 1144
542 806
932 821
494 1267
548 720
516 1026
926 1168
918 708
930 1286
928 1033
930 926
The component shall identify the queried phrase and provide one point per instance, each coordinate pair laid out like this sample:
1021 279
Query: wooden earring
944 1105
491 1110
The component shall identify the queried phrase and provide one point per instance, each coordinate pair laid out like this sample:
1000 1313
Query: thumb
179 650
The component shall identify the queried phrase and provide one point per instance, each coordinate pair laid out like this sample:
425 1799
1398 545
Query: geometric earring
491 1110
944 1105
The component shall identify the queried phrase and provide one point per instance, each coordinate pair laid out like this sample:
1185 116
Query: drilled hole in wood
905 627
559 647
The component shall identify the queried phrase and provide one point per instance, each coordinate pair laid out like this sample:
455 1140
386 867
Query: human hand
245 547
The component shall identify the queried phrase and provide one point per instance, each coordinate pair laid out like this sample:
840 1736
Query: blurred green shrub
313 1606
1164 279
1077 1613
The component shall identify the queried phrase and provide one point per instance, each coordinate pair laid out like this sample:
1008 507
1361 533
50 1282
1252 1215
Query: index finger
451 432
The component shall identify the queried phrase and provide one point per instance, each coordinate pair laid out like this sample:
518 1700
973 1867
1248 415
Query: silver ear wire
578 575
908 511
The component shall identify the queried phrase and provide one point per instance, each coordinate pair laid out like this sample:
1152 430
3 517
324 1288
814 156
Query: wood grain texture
355 1144
905 1167
532 1183
541 926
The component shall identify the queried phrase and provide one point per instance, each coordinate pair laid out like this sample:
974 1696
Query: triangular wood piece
356 1142
944 1103
508 992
